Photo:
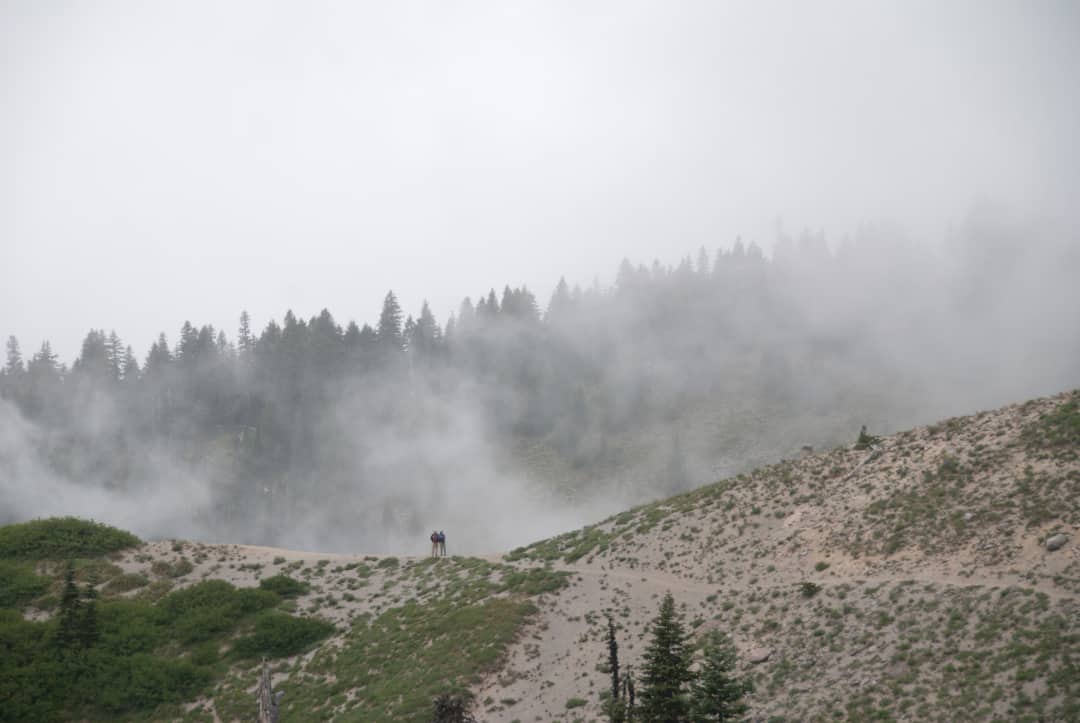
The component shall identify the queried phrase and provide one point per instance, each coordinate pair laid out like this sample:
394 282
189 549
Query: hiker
442 543
434 543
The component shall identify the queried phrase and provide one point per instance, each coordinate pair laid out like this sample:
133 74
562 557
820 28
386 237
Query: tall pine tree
389 331
717 693
664 697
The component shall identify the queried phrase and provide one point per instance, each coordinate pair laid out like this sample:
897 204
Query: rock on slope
909 580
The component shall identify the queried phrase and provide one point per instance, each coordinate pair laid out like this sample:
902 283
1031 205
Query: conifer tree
69 615
717 694
159 357
188 343
664 696
87 621
244 340
559 306
616 706
351 338
43 363
131 366
114 350
426 335
14 362
389 331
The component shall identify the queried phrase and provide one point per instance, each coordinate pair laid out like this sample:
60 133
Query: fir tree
616 707
14 362
131 366
664 696
87 620
389 331
159 357
245 342
69 616
44 363
717 694
114 350
559 306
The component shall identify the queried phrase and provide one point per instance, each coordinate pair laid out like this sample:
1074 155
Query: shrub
284 586
19 584
278 635
127 582
809 589
209 608
148 682
181 567
59 538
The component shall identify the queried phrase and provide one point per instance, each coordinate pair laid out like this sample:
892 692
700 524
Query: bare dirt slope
910 579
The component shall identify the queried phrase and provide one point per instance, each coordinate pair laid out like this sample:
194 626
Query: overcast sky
164 161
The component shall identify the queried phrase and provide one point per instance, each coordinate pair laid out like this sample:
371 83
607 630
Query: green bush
147 681
285 586
278 635
59 538
19 584
210 608
130 626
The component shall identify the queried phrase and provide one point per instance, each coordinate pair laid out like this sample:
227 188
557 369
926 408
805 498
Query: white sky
164 161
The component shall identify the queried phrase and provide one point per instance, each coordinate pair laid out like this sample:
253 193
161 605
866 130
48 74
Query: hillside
909 579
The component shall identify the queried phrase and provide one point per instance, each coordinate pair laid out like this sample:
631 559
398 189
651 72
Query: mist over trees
518 416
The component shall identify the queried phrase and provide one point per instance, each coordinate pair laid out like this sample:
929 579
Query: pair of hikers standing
438 544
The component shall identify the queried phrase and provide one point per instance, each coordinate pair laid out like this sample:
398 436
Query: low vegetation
115 658
62 538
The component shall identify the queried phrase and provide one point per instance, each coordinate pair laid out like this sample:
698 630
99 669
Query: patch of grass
61 538
19 585
1058 431
408 655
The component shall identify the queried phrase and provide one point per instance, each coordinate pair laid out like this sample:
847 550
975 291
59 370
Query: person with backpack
434 543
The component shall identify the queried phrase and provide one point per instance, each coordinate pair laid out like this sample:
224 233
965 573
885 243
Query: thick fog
831 214
189 160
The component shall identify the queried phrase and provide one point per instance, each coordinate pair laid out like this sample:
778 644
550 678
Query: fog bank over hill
516 418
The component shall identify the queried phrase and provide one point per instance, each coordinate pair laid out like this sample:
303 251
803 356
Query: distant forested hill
346 434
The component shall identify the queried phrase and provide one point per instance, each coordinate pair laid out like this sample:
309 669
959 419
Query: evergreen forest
338 433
